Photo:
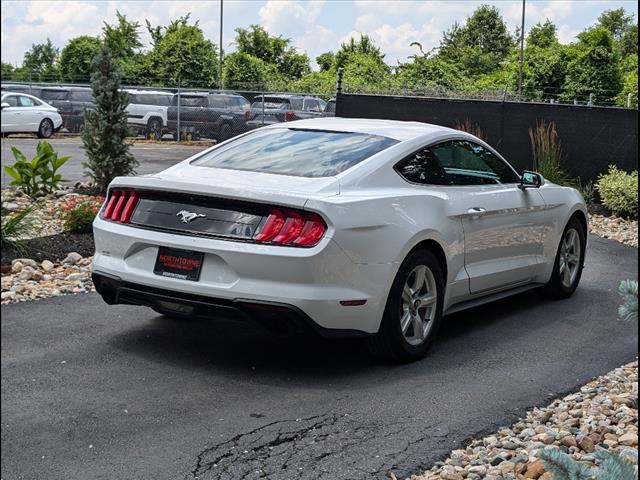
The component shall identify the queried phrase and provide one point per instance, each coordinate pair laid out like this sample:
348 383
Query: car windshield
296 152
54 94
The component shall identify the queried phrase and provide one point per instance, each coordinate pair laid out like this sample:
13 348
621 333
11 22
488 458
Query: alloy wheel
419 301
569 258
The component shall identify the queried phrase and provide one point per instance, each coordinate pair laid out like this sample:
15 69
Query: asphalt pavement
91 391
153 157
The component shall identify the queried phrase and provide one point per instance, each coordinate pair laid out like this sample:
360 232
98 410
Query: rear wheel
45 130
569 262
225 132
154 129
413 313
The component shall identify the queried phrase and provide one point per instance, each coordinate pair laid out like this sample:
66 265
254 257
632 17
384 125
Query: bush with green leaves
39 175
612 466
619 191
77 215
15 226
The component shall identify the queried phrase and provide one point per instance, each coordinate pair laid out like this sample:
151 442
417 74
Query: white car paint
26 112
143 107
374 217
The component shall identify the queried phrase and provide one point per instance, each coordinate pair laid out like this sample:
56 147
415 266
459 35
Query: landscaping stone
602 415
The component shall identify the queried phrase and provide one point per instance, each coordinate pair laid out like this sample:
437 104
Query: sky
314 26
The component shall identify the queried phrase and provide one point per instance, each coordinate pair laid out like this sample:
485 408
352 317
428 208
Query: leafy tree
542 35
123 39
76 58
257 42
593 67
616 21
7 70
182 54
106 127
243 71
40 60
629 82
480 45
629 42
427 71
365 73
365 46
325 61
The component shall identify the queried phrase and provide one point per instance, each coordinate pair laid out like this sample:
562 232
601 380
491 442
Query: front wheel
569 262
413 312
45 130
154 129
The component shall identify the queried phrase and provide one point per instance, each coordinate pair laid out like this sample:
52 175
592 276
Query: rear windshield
271 102
301 153
54 94
151 99
190 101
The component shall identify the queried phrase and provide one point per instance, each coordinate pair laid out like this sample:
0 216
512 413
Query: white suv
147 111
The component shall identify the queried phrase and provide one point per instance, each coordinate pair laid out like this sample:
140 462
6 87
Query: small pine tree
105 127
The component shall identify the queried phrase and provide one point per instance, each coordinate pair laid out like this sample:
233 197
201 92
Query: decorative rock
26 273
628 439
16 266
47 265
569 441
534 470
586 444
72 258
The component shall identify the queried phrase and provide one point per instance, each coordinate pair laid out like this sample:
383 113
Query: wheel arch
434 247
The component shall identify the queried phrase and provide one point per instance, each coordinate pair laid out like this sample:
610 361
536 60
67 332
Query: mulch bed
52 247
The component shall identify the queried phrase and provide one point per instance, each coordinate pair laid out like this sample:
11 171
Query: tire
225 132
393 342
154 129
45 130
568 264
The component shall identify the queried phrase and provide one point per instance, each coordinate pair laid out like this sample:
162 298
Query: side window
422 167
217 101
467 163
311 105
12 100
82 95
133 99
26 101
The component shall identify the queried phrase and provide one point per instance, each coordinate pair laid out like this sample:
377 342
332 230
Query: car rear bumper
312 281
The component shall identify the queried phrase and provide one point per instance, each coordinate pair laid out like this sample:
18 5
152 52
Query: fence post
575 101
338 88
504 94
590 104
262 95
30 85
178 119
629 100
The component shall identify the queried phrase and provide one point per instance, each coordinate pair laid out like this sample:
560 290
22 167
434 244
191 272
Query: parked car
208 114
147 111
372 228
23 113
71 102
330 108
22 88
283 108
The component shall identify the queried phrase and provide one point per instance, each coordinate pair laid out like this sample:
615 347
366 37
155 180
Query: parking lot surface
153 157
92 391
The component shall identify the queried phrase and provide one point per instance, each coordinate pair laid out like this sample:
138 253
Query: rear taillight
120 206
288 227
247 114
289 116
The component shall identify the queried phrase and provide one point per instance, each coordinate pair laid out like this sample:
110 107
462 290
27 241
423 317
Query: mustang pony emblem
187 216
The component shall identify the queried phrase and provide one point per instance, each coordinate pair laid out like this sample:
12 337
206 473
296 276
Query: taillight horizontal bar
290 227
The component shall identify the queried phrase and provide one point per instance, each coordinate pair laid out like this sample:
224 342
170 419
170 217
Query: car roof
207 94
396 129
61 88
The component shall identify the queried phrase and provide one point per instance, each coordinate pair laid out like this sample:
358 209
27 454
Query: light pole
521 49
220 46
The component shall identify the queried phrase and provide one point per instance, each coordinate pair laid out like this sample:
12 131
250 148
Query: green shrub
78 215
588 191
563 467
547 154
38 175
619 191
15 226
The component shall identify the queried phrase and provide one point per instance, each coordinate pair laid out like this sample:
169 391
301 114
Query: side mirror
531 180
4 105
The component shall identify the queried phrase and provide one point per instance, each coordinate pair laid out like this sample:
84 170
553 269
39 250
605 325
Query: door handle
476 211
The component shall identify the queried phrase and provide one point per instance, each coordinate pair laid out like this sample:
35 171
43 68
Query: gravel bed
603 414
615 228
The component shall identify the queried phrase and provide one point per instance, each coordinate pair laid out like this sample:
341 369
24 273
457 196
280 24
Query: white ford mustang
350 226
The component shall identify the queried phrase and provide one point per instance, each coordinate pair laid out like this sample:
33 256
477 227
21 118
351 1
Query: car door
10 115
504 225
31 113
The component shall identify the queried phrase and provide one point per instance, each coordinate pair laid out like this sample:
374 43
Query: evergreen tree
106 127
